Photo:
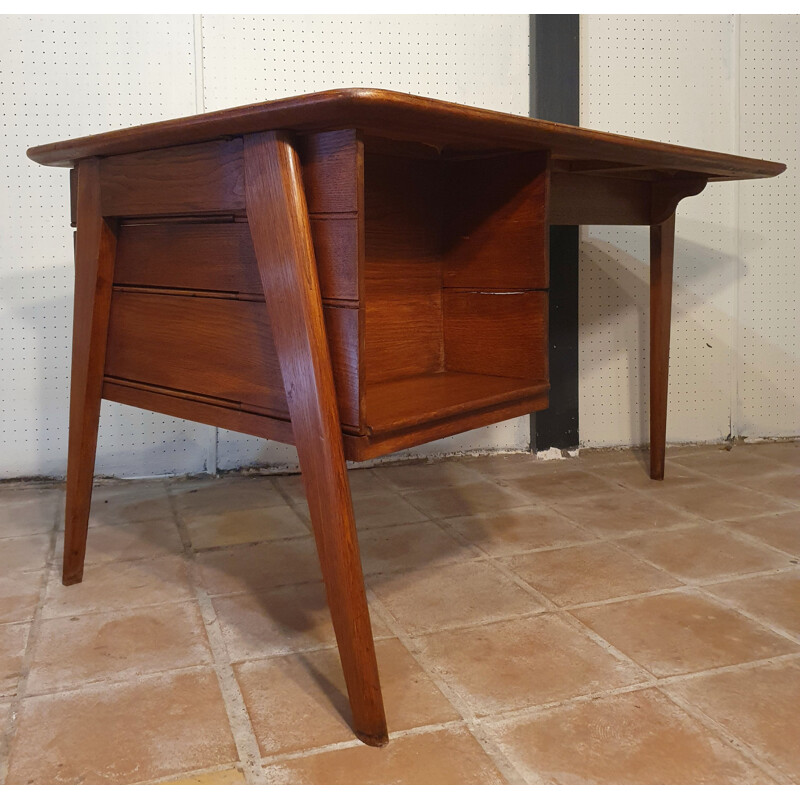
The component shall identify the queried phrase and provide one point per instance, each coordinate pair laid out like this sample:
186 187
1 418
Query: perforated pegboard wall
477 59
769 289
670 78
60 77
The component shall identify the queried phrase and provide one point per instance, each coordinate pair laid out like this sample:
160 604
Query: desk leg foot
95 247
662 250
280 229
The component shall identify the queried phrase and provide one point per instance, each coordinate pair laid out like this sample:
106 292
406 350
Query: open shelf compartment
455 276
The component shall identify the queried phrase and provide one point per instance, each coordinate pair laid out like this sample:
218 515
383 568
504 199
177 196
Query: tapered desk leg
95 249
662 249
279 225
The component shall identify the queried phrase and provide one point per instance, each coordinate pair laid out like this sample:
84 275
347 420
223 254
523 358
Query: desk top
448 127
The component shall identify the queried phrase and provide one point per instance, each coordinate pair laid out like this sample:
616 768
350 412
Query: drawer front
219 257
218 348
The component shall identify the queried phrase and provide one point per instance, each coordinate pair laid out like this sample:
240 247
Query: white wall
65 76
723 83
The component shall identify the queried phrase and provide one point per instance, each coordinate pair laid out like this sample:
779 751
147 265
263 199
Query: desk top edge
395 115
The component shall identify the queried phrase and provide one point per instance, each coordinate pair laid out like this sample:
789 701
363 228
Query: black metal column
555 95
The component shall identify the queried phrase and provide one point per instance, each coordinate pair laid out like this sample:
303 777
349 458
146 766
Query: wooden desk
353 272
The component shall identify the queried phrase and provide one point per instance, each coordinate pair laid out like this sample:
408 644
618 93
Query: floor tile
73 651
739 462
19 595
555 484
784 485
129 501
28 511
285 620
703 552
362 481
119 585
681 632
409 477
470 498
440 757
13 640
207 496
244 526
282 694
505 465
758 705
437 598
524 662
380 510
376 509
781 530
223 777
620 513
155 726
774 599
634 738
24 553
518 530
602 457
787 452
127 542
587 573
636 475
718 501
260 566
404 547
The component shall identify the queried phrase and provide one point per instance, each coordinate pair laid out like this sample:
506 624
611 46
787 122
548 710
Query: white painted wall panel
65 76
769 288
673 79
481 60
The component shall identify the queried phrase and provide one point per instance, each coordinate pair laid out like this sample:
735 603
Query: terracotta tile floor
539 622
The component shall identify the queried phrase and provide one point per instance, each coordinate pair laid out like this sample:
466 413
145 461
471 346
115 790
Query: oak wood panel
418 399
177 180
495 333
219 256
337 249
387 114
281 233
362 448
402 266
585 199
198 409
495 222
331 171
218 348
210 256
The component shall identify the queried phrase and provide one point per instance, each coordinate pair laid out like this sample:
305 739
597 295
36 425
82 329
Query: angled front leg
662 251
279 225
95 249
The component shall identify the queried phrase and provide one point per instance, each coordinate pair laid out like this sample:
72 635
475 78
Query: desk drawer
219 256
218 348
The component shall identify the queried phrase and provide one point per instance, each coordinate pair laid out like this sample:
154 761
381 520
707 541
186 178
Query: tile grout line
353 743
503 765
30 646
241 727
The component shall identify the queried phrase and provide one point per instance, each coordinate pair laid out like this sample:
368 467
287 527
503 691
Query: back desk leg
279 225
95 249
662 250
